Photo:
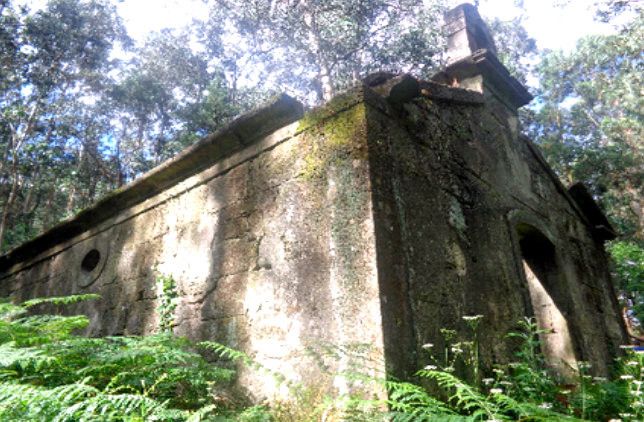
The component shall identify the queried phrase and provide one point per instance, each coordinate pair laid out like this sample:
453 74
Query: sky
551 26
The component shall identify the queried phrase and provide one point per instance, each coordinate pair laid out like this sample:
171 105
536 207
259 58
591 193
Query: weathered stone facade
377 219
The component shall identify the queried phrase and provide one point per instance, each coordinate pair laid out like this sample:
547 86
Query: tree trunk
71 197
11 199
49 206
326 91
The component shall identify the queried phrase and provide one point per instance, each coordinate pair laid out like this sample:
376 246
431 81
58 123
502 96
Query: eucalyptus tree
52 60
517 50
315 48
76 122
589 120
165 98
607 10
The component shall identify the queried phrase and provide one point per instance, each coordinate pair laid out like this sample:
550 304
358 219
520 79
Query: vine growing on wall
167 288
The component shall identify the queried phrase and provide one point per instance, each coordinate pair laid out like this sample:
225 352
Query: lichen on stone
456 218
334 140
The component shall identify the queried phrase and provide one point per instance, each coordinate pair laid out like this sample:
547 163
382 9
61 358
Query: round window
90 261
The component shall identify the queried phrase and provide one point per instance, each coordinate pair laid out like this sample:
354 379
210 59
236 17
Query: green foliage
628 259
53 60
528 379
19 328
516 49
511 395
411 402
464 397
59 300
525 390
588 120
317 48
47 373
167 302
76 123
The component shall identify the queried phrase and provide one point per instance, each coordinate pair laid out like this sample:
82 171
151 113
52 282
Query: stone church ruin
377 219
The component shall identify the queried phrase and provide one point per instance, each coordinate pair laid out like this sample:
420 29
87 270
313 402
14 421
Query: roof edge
600 226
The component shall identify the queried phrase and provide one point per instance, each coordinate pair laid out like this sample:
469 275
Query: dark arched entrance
547 290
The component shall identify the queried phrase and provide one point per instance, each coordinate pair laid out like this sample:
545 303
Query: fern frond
106 406
226 352
198 415
10 355
59 300
9 311
47 328
529 411
465 396
414 401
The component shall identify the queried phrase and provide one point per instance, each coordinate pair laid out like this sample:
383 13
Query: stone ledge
440 92
578 197
601 228
398 89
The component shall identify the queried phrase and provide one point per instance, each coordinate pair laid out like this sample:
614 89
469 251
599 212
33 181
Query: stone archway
540 268
545 285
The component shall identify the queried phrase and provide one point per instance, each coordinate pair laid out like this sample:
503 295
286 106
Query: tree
589 121
53 60
606 10
167 97
516 49
77 123
315 48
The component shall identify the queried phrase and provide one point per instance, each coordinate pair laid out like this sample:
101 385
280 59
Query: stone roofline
242 132
480 71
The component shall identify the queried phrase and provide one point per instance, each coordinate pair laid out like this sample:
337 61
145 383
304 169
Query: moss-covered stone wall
366 226
272 250
453 185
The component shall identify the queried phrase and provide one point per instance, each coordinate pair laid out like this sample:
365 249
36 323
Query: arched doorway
547 289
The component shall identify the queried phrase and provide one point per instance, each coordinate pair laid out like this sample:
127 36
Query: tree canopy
85 109
588 120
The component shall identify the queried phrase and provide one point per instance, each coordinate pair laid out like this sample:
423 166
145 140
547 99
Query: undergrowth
47 373
524 390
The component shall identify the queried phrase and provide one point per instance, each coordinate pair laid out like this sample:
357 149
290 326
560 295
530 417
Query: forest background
85 109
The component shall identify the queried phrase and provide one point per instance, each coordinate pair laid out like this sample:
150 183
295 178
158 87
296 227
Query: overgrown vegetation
628 260
525 390
49 374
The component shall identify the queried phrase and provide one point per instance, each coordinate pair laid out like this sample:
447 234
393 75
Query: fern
48 373
59 300
226 352
411 402
464 396
528 411
112 407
